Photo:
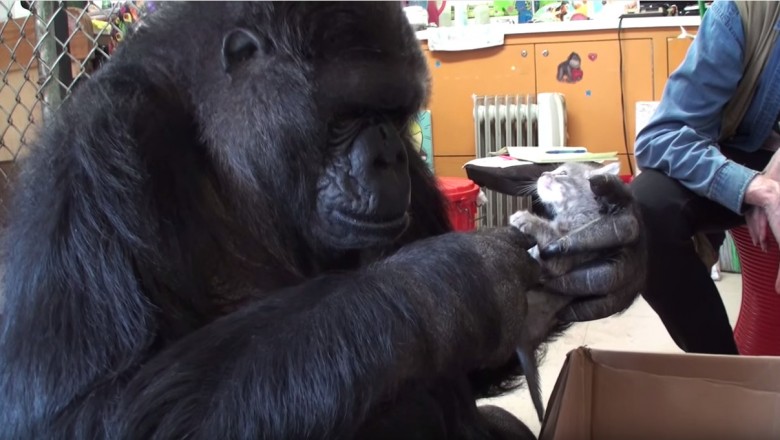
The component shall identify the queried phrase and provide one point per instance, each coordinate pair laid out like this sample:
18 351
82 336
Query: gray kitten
566 192
579 218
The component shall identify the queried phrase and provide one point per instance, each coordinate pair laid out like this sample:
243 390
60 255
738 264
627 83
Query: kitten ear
610 168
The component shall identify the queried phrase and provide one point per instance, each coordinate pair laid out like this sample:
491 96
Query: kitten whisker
525 189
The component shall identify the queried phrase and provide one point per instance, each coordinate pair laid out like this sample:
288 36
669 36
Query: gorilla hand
609 283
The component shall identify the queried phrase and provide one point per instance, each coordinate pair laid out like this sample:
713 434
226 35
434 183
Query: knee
502 425
660 202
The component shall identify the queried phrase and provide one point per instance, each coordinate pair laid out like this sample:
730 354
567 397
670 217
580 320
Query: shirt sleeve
680 139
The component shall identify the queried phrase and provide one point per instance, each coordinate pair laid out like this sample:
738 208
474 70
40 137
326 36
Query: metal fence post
49 54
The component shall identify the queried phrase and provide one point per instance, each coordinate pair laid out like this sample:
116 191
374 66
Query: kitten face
569 182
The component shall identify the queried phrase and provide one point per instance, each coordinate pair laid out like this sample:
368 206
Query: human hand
756 217
610 283
757 225
772 169
764 194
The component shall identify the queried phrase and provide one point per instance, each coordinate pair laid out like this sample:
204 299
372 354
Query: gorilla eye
240 45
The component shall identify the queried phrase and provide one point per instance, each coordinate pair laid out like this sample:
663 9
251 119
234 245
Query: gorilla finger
608 185
593 279
611 193
604 233
598 308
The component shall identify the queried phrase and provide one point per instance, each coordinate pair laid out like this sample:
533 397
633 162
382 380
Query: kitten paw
521 220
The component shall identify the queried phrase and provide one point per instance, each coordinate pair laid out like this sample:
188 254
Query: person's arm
681 138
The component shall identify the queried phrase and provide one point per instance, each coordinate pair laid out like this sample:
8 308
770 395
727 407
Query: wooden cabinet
675 52
457 76
450 166
615 74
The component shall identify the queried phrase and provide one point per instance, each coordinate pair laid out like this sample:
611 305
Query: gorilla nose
378 147
380 163
384 147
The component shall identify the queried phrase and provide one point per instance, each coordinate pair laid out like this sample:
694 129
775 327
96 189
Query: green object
702 8
729 256
501 8
422 135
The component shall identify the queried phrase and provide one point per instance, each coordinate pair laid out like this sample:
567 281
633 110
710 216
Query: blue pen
565 151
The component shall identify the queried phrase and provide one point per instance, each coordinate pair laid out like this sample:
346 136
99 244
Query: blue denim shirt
680 139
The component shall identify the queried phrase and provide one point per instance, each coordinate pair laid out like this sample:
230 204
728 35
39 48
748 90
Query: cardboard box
610 395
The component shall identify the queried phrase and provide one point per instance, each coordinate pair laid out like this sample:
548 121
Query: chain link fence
48 48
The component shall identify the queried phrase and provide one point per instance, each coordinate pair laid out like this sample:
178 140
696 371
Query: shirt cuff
729 185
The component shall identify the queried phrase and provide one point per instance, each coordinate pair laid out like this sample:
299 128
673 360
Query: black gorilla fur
179 264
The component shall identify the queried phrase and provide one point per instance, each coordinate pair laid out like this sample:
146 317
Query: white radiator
515 121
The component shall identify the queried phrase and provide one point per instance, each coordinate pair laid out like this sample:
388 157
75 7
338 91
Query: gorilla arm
312 360
610 283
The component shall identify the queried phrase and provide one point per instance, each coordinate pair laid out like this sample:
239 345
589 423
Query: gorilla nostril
380 163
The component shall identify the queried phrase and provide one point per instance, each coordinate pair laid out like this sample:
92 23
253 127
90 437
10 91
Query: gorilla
225 233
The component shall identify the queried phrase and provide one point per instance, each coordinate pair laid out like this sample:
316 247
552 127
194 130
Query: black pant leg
679 286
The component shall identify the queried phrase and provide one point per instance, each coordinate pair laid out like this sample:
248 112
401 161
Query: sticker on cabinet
570 70
420 129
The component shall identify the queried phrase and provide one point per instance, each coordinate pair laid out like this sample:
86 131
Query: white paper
644 110
543 155
454 38
497 162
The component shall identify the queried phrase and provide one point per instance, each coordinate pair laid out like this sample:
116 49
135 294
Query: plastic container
462 197
757 332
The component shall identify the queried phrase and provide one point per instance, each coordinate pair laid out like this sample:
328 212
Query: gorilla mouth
342 229
368 224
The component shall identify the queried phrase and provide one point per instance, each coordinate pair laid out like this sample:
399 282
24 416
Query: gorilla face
355 81
364 193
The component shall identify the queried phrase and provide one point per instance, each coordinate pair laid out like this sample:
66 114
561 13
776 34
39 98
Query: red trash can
757 331
461 194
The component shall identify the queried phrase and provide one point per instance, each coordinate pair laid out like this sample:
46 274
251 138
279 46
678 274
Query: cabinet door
675 52
588 73
450 166
457 76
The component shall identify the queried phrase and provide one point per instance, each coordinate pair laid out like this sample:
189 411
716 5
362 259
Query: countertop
569 26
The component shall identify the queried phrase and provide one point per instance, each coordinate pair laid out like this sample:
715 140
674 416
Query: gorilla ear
240 45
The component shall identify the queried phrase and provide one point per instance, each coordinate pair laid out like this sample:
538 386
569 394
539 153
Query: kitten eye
562 172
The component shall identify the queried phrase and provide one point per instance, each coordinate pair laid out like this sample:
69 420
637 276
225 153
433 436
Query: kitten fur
567 194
